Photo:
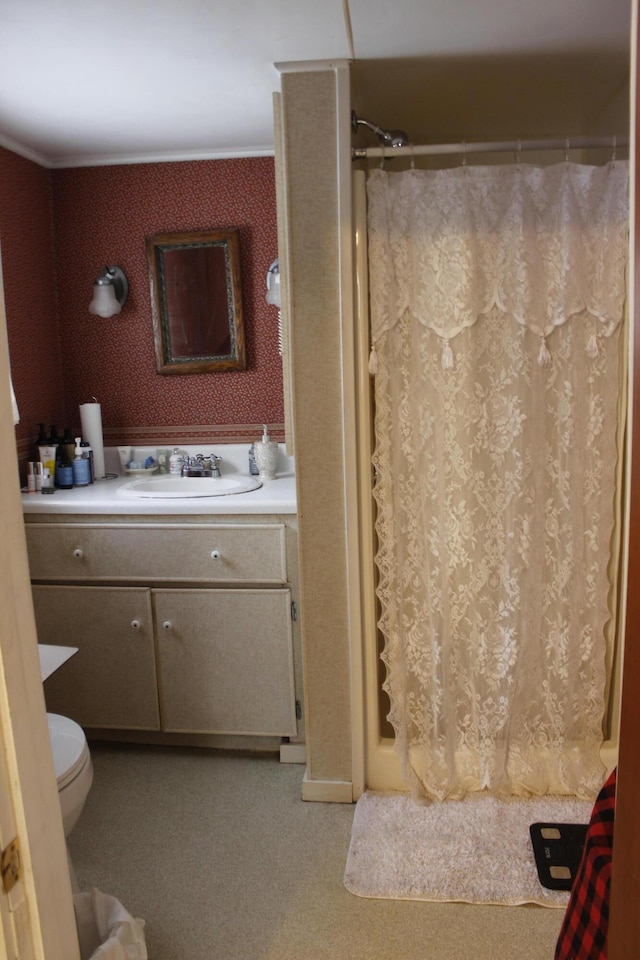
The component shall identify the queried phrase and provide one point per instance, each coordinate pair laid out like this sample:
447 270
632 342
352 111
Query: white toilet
73 767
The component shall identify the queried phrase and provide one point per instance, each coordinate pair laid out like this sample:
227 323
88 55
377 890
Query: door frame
624 925
41 906
380 766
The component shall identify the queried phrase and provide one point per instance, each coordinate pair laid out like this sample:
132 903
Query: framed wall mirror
196 301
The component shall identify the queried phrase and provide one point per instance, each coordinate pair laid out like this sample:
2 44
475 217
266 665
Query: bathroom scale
558 848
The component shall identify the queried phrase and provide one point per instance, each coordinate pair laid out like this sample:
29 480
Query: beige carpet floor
223 861
477 850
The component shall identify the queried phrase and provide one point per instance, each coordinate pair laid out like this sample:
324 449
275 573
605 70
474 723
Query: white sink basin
180 487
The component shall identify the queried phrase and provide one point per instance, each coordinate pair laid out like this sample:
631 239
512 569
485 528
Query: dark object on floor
583 935
558 851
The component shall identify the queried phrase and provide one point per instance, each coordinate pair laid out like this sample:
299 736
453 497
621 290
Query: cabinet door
111 681
225 661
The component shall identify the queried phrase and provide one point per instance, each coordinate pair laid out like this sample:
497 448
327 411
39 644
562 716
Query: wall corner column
317 287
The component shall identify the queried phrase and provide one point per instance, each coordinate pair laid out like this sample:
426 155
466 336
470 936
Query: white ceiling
88 81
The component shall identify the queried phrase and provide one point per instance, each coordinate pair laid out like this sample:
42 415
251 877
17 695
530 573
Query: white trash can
105 930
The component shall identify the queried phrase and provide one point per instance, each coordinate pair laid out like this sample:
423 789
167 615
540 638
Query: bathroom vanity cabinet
184 625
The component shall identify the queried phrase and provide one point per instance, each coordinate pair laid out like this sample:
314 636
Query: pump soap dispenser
266 454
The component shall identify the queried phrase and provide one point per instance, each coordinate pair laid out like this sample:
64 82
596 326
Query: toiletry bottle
31 477
162 456
87 452
59 455
266 454
68 444
47 455
41 441
47 482
54 441
64 469
175 462
80 466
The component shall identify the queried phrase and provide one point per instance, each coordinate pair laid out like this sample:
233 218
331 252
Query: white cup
125 456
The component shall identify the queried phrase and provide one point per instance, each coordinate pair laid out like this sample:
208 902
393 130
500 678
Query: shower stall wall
337 589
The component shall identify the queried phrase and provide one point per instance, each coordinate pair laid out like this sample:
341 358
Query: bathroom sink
181 487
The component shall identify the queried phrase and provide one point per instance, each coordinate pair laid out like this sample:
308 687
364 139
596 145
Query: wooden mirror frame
206 286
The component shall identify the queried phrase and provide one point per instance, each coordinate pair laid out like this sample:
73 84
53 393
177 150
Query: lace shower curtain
497 299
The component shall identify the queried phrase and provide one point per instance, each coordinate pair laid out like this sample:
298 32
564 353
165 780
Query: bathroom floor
223 861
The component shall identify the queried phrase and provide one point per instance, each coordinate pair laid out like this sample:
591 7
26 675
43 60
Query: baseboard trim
327 791
293 753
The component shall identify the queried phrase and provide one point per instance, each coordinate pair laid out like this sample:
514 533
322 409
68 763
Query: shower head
389 138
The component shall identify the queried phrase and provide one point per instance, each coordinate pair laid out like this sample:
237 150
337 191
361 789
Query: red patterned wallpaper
58 228
30 293
102 216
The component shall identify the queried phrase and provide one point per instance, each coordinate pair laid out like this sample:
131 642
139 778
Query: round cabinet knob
78 553
167 625
135 624
215 554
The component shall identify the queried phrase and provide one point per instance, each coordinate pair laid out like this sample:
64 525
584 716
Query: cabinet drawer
166 552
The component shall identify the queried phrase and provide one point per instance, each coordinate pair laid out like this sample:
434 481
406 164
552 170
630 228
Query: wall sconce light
273 284
109 292
274 297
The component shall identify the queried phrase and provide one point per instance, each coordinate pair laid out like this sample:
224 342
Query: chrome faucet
201 466
195 467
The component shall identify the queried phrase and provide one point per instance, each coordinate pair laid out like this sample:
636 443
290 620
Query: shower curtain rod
496 146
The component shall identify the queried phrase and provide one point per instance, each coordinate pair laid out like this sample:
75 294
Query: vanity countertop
104 497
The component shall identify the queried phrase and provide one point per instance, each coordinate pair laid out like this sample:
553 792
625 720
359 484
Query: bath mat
476 850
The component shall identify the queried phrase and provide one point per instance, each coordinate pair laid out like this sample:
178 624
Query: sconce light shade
273 284
109 292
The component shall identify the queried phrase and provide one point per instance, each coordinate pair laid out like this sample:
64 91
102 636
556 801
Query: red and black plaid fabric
583 935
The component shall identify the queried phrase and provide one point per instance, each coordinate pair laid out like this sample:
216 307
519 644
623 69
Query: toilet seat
72 765
69 748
